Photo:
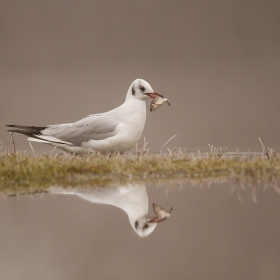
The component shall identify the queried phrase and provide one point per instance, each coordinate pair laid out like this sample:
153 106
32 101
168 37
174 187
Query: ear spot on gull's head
133 91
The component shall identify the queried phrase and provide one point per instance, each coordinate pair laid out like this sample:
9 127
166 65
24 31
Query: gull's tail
33 132
30 131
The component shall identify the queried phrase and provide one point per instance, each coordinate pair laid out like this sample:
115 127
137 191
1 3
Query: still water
92 234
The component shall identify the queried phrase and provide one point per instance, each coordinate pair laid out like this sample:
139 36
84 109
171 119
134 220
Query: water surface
210 235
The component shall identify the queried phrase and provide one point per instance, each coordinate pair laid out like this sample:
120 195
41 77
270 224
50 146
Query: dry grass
22 173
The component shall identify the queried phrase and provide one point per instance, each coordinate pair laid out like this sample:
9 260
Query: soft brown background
218 62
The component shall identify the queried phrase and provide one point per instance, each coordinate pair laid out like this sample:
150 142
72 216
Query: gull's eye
146 226
142 88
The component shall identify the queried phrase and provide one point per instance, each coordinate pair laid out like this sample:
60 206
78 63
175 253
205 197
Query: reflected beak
157 220
154 95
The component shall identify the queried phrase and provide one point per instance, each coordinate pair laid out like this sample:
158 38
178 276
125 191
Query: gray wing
94 127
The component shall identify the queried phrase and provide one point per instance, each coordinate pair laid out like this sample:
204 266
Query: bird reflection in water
132 199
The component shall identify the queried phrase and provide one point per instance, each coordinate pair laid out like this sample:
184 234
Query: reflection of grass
20 173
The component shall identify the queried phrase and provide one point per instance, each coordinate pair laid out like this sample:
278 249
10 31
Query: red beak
157 220
154 95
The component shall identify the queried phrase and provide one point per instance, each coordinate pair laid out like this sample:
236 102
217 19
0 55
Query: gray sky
218 62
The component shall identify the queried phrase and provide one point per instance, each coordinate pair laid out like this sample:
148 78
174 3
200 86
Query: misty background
218 62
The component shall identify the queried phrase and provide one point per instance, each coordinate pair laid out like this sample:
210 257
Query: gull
132 199
115 130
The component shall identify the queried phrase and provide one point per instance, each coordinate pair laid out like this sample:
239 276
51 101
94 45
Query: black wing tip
30 131
23 132
31 127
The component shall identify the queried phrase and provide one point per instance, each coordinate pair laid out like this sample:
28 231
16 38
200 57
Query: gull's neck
132 108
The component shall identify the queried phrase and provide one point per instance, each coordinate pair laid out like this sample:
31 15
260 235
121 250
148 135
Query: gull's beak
157 220
154 95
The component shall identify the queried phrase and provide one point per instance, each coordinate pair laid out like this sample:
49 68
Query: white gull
132 199
115 130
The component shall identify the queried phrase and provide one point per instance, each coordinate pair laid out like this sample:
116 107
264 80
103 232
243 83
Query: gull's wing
95 127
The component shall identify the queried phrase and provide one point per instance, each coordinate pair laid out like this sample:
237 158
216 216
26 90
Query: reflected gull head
132 199
142 226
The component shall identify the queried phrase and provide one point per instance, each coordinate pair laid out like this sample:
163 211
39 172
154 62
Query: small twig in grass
211 148
170 153
32 149
11 138
261 143
144 150
265 153
52 152
116 152
145 144
216 152
167 142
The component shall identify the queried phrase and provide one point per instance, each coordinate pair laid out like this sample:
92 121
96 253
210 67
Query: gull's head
140 89
142 226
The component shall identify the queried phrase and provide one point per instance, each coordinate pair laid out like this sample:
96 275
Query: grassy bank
19 172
